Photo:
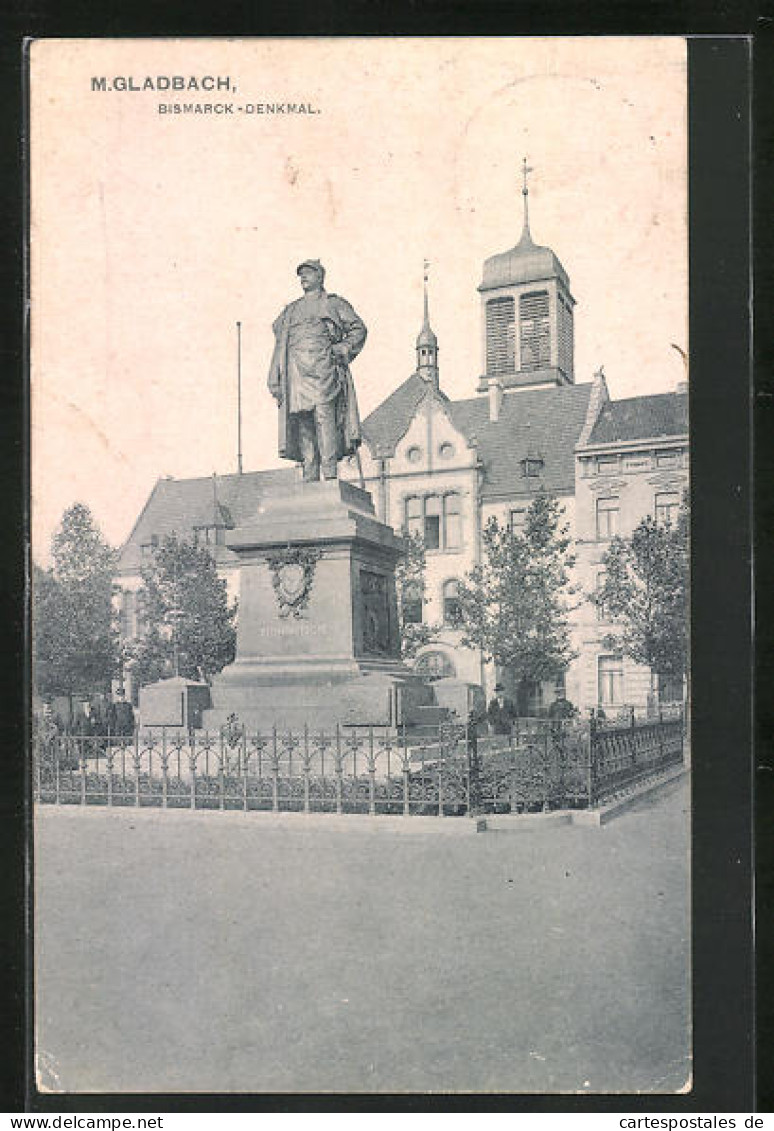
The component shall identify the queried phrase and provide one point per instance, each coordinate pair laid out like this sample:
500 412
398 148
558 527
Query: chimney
495 388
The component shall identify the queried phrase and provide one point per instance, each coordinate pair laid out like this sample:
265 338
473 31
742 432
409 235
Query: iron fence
541 765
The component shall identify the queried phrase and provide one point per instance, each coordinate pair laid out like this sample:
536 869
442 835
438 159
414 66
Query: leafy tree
190 623
411 586
515 604
75 643
645 591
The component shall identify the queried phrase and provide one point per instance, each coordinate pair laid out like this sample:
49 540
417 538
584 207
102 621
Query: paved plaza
221 952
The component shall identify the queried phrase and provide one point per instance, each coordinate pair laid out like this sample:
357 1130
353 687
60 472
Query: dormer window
531 466
209 535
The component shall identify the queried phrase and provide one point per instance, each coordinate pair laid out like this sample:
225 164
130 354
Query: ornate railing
541 765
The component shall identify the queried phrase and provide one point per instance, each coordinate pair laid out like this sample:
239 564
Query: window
610 670
517 519
535 333
531 466
438 519
667 507
452 522
446 450
500 336
668 458
414 454
435 665
432 528
670 689
147 549
607 517
607 464
413 515
412 603
452 611
209 535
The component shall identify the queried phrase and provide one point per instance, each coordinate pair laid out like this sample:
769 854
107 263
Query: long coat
345 326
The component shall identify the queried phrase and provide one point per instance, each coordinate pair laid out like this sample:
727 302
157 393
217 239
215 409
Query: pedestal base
317 637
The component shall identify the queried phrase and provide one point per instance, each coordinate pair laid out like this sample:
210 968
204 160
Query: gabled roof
387 423
176 506
544 422
642 418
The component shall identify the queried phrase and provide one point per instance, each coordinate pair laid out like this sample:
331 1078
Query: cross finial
525 170
426 268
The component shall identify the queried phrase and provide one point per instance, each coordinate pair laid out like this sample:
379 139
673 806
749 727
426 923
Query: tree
411 587
645 590
75 643
515 604
190 623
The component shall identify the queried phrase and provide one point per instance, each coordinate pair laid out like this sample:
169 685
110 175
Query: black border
719 259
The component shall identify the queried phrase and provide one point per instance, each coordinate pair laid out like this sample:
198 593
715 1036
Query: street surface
216 952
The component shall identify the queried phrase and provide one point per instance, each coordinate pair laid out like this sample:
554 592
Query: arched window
435 665
452 612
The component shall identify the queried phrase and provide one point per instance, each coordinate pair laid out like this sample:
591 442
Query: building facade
441 468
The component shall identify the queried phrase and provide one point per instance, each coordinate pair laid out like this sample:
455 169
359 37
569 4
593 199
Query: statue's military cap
315 264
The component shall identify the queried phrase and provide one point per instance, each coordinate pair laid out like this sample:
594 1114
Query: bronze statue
316 338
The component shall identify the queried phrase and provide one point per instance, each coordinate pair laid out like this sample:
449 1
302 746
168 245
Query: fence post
405 771
339 769
57 770
474 781
306 767
109 757
441 756
546 769
371 774
592 764
82 761
244 758
274 771
164 769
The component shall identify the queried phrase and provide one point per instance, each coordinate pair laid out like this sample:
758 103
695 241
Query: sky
152 233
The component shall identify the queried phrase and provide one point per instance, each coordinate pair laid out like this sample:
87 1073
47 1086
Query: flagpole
239 397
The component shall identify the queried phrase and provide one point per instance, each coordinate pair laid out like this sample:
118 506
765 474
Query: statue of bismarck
316 338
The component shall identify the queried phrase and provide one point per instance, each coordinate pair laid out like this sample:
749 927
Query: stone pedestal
317 636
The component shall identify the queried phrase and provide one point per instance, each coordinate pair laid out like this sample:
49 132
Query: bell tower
527 314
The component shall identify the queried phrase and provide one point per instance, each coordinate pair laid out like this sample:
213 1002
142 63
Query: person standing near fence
501 712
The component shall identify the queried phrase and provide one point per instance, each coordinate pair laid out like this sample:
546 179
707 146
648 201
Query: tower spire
525 170
427 343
